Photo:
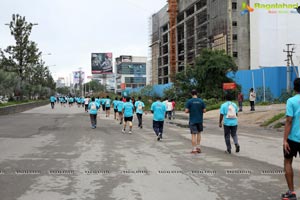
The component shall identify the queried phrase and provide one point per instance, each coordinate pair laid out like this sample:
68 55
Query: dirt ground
252 118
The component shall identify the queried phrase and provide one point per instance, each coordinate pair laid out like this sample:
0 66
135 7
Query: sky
70 30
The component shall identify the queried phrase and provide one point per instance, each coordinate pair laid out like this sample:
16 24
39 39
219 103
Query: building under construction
182 28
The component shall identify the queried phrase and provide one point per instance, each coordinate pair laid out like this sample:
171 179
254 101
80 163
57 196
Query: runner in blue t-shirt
139 105
71 101
52 101
229 112
78 101
62 101
120 106
103 100
195 107
115 103
93 109
98 101
128 110
158 109
291 139
107 106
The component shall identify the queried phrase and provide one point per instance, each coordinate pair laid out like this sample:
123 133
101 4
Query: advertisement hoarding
101 63
77 75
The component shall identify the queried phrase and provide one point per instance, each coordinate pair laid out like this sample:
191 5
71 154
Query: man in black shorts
128 110
195 107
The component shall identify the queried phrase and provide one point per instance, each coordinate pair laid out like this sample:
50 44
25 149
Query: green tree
23 58
94 86
24 53
63 90
207 75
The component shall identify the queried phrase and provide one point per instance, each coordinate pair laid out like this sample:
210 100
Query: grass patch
273 119
278 125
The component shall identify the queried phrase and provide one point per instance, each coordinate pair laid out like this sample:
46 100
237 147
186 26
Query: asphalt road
54 154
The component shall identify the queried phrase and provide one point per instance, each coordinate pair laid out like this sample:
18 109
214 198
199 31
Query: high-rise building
60 82
182 28
130 72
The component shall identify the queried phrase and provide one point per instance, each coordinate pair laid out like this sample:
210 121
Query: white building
131 72
60 82
273 24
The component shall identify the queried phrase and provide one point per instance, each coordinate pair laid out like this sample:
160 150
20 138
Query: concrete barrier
21 107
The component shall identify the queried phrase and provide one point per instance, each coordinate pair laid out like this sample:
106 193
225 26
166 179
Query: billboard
102 63
77 75
273 24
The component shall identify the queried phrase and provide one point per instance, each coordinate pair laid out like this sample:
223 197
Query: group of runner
124 109
70 100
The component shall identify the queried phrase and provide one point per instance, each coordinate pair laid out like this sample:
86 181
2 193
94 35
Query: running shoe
158 138
123 130
237 148
130 132
198 150
289 196
194 151
160 135
228 151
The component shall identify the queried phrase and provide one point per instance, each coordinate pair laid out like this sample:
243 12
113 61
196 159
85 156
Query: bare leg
194 141
198 139
289 174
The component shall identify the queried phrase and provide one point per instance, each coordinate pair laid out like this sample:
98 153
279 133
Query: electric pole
288 66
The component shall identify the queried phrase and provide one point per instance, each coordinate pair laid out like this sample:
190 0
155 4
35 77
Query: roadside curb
21 107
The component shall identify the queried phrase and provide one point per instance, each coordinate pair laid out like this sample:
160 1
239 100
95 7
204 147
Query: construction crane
172 10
